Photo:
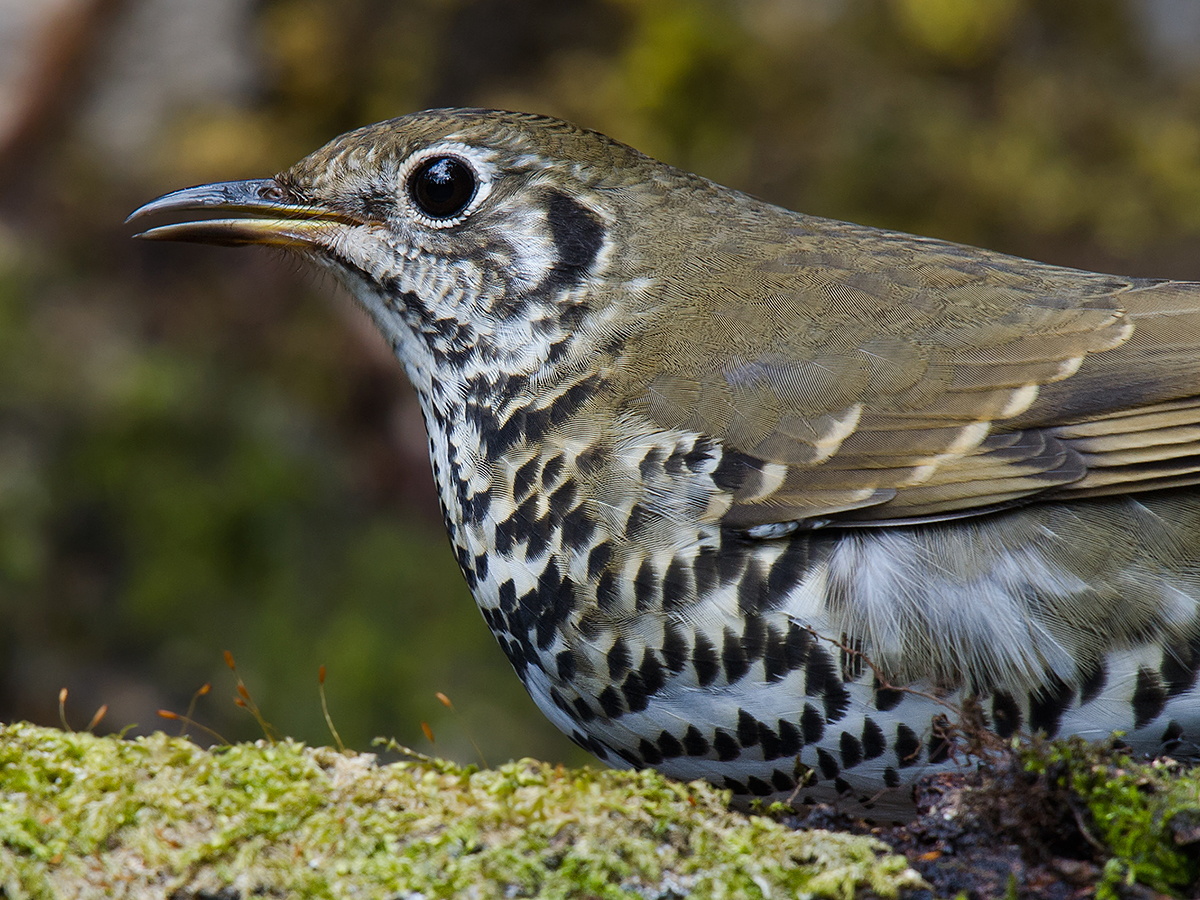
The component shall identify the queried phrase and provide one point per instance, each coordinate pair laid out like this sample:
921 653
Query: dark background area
205 450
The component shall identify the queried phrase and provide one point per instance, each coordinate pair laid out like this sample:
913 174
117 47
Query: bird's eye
442 187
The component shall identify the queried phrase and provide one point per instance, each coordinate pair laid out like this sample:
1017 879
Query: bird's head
456 229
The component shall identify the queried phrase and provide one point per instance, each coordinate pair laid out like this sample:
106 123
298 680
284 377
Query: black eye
442 187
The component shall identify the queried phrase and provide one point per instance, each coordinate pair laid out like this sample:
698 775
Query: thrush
758 497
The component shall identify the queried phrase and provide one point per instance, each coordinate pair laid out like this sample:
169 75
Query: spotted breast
761 498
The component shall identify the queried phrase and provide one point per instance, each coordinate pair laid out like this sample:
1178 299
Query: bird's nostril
272 192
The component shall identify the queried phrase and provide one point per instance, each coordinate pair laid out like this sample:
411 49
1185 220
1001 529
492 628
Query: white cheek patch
534 251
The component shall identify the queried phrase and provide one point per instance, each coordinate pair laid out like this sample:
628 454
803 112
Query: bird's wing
870 377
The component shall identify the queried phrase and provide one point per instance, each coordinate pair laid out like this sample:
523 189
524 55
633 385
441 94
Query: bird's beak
268 217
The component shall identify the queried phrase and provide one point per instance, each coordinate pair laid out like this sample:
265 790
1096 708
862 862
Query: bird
746 495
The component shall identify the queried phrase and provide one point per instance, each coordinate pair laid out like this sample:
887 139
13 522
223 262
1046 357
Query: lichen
158 816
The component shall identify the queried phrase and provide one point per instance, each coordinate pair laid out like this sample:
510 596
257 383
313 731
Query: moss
158 816
1144 816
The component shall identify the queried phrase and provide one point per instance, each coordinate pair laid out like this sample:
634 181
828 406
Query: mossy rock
158 816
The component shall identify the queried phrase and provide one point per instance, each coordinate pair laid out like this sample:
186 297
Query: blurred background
205 449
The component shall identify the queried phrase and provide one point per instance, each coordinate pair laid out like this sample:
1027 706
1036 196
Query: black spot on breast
610 702
851 750
704 660
632 759
733 656
565 406
591 459
582 711
651 463
475 509
772 746
731 561
674 648
464 563
561 702
618 659
798 639
850 658
536 422
508 596
552 469
818 672
562 499
645 587
726 746
578 236
1149 697
835 695
827 764
781 781
752 591
538 533
1091 681
565 663
873 741
651 672
694 742
649 752
891 777
705 570
638 517
1006 714
505 535
1180 664
907 746
754 638
669 746
516 652
747 730
676 585
812 724
496 438
555 600
559 348
577 529
790 742
1046 707
733 785
635 692
608 595
758 787
598 559
787 571
837 701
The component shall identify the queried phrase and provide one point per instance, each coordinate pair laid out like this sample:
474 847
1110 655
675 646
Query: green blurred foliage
199 452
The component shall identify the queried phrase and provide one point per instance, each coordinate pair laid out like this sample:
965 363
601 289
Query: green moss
1139 812
156 815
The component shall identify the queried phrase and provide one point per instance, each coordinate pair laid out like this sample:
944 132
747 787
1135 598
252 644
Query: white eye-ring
443 184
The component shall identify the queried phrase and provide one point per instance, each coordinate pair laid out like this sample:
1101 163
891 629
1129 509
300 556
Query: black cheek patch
578 237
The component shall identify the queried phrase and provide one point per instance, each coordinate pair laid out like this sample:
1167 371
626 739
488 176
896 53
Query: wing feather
863 376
